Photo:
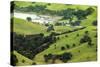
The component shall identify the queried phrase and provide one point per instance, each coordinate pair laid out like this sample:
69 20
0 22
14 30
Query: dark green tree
29 19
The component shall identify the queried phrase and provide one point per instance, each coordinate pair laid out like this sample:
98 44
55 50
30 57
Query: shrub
67 46
49 3
58 24
45 58
29 19
50 27
50 56
33 63
23 61
94 23
74 45
55 46
62 48
95 36
85 38
54 34
66 35
86 32
90 43
78 51
77 35
58 38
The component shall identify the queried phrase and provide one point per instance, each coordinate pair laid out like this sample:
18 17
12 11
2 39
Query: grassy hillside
90 19
21 58
81 52
24 27
85 50
86 53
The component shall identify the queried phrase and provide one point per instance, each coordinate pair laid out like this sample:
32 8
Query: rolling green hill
24 27
85 50
81 52
86 53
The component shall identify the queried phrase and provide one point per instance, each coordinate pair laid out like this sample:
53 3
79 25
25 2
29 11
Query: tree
89 10
86 32
51 27
94 23
66 56
77 23
67 46
90 43
62 48
33 63
85 38
74 45
46 24
55 46
45 58
23 60
49 3
66 35
77 35
29 19
50 56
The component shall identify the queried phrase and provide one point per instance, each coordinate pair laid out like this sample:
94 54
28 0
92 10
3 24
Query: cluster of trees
50 28
70 31
66 13
30 45
86 38
75 23
68 46
82 14
63 57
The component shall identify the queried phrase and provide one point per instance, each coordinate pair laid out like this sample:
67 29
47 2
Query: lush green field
85 51
24 27
81 51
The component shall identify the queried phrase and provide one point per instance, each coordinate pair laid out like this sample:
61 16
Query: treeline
64 57
66 32
30 45
66 13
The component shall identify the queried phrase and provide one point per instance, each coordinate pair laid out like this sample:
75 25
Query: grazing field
71 38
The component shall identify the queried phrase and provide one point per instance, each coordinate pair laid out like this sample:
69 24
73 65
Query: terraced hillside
72 38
